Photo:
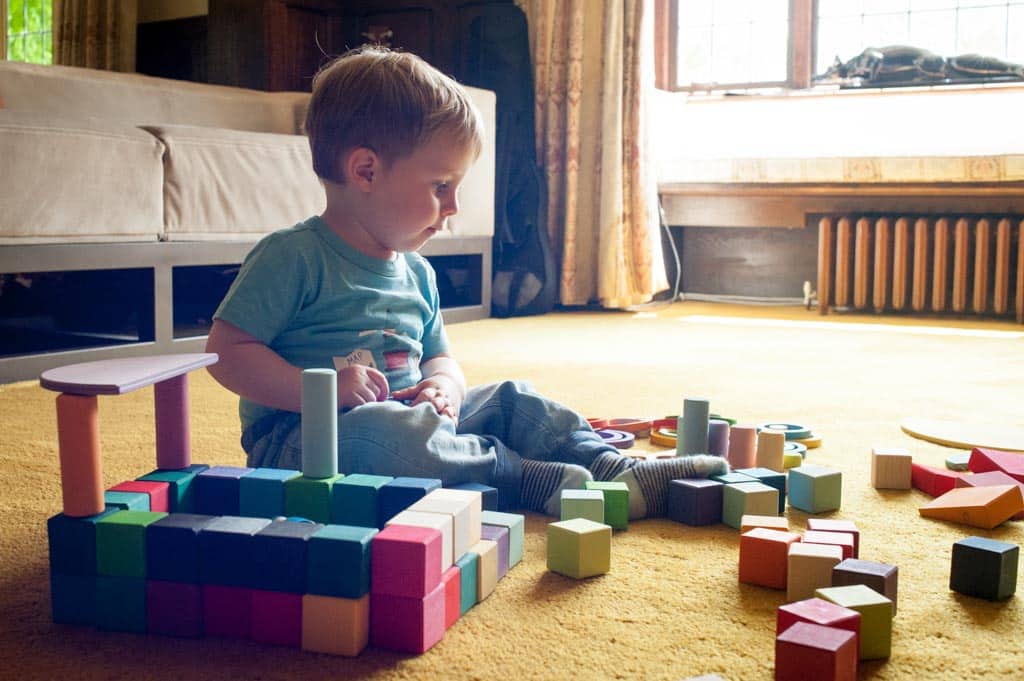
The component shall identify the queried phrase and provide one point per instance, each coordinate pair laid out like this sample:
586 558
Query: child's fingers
380 381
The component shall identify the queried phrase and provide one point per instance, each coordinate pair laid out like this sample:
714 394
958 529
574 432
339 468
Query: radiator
944 264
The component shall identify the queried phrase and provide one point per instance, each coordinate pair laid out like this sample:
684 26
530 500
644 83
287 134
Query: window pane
694 55
15 17
883 6
839 8
881 30
935 31
16 49
730 53
837 38
979 3
732 11
1015 34
696 12
35 15
931 4
983 31
770 49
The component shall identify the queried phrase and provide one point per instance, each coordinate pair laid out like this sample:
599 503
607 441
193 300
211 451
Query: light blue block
319 423
815 489
261 493
126 501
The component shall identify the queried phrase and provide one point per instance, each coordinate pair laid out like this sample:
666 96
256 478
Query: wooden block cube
931 480
616 502
984 507
217 490
985 459
401 493
73 599
811 651
769 522
227 611
126 501
836 525
309 498
579 548
174 609
121 543
817 611
771 445
224 549
468 577
182 488
984 568
486 568
172 547
354 500
411 625
120 603
989 479
844 540
72 543
276 618
442 522
748 498
695 501
498 535
277 556
261 492
890 467
810 568
583 503
406 561
770 477
464 509
815 489
732 478
158 492
875 616
452 581
764 557
516 525
338 561
881 577
489 495
338 626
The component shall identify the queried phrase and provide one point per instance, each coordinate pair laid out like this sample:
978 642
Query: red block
989 479
984 460
405 561
159 492
811 651
452 581
764 557
174 608
818 611
830 525
411 625
277 618
844 540
931 480
227 611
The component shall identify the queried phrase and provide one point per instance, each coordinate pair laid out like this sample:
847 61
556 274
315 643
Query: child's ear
361 167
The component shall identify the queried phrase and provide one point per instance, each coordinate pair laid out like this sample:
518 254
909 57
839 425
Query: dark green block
126 501
467 577
309 498
354 499
121 603
733 478
182 496
338 561
261 493
73 598
73 543
121 543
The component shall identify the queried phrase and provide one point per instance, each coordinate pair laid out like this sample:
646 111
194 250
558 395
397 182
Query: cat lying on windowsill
906 65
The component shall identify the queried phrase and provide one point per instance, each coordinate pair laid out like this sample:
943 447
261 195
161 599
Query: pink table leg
78 437
173 438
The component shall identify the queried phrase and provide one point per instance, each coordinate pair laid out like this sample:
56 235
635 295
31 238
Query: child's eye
442 187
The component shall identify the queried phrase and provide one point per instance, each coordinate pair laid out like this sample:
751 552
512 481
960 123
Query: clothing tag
357 357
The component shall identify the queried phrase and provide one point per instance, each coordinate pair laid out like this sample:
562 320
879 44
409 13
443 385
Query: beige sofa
105 171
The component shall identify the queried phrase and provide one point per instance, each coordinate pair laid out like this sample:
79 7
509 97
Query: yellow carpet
671 606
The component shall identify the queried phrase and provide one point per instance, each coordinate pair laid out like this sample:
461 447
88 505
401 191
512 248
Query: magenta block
405 561
818 611
174 608
452 582
277 618
227 611
411 625
811 651
498 535
173 438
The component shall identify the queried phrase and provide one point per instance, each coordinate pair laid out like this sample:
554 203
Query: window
29 30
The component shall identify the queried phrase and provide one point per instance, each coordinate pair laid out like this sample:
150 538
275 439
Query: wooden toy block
764 557
836 525
121 543
718 438
732 478
406 561
693 427
224 549
158 493
261 493
338 626
217 490
579 548
743 446
319 423
464 508
890 467
931 480
437 521
126 501
309 498
817 611
182 496
769 522
120 603
582 503
354 499
791 459
695 501
843 540
984 568
771 445
875 616
338 561
81 466
227 611
468 573
489 494
276 618
881 577
810 568
984 459
498 535
174 609
748 498
771 478
277 556
984 507
989 479
516 532
73 599
815 489
959 462
486 568
411 625
72 543
616 502
401 493
811 651
172 547
452 581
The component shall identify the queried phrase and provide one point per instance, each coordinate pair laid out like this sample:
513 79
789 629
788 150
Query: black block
224 546
278 556
984 568
172 547
400 494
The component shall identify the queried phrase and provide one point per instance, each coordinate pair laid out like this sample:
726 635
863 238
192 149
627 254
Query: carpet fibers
671 607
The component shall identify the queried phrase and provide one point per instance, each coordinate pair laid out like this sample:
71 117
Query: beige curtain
98 34
594 69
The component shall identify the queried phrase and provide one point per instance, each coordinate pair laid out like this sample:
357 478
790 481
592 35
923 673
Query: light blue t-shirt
320 303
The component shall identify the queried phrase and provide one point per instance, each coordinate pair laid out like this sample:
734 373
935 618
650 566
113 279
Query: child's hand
358 384
435 391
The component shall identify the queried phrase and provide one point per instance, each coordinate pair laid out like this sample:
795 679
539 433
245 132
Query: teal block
126 501
748 498
72 543
616 502
121 543
182 496
467 565
815 489
309 498
73 598
354 499
516 525
732 478
261 493
121 603
338 561
770 478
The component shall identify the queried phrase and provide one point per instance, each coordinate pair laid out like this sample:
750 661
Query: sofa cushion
77 180
234 185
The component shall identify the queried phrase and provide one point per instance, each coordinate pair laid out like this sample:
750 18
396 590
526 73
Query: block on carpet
401 493
468 570
182 489
984 507
463 507
489 495
769 522
579 548
72 543
817 611
891 467
486 568
276 618
217 489
452 581
616 502
406 561
120 603
224 549
986 459
771 446
261 493
695 501
810 568
875 617
748 498
158 492
881 577
764 557
411 625
498 535
836 525
815 489
172 547
770 477
73 598
309 498
121 543
126 501
989 479
338 626
811 651
355 500
732 478
844 540
442 522
582 503
174 608
984 568
338 561
931 480
278 556
227 611
516 525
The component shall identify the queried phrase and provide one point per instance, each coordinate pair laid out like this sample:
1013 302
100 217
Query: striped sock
648 480
543 482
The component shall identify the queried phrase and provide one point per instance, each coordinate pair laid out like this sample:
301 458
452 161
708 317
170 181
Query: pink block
811 651
277 618
830 525
159 492
843 540
411 625
405 561
743 446
174 608
452 582
989 479
818 611
227 611
984 460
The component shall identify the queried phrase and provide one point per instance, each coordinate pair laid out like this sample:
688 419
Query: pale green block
583 503
748 498
875 616
616 502
815 489
516 525
579 548
309 498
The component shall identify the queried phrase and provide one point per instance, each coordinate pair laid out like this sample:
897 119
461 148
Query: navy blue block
277 556
261 493
400 494
490 494
354 499
338 561
172 547
121 603
182 493
73 543
770 478
695 501
224 546
73 598
218 490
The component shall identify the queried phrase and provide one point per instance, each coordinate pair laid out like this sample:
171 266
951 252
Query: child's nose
450 206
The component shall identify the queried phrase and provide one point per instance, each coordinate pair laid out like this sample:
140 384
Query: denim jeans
500 424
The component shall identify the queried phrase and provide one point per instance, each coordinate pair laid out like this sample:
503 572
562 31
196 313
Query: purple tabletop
122 375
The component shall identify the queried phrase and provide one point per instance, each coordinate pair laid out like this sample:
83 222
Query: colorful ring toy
619 439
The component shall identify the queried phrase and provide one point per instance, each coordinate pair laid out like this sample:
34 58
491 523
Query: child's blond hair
389 102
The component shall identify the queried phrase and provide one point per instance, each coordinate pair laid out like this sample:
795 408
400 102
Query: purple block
411 625
227 611
277 618
498 534
695 501
174 608
718 437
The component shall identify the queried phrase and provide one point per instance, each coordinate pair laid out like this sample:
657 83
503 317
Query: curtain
594 72
98 34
